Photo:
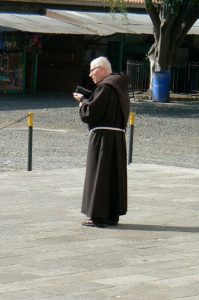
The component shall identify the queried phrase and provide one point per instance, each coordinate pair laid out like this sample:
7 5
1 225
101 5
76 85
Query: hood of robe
120 83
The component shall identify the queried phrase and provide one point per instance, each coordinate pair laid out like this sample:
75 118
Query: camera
81 90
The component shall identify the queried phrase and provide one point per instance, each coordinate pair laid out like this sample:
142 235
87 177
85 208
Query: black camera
81 90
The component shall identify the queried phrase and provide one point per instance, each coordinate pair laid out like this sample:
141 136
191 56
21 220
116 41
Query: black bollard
132 122
30 135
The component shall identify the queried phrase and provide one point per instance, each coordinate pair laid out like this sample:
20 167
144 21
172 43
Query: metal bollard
132 122
30 135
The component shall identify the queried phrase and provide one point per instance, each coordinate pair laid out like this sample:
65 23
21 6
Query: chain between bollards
30 136
132 123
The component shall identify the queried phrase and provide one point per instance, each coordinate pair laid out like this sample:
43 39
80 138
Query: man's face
96 73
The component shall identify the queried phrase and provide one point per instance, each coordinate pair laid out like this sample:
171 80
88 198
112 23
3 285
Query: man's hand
78 96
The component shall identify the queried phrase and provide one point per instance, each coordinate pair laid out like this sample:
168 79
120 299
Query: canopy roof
76 22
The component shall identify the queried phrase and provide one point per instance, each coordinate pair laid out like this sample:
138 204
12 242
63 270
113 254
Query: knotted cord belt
107 128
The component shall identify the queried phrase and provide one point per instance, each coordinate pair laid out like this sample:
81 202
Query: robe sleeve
93 111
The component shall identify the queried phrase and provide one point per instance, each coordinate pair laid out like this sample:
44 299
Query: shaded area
143 227
37 101
181 109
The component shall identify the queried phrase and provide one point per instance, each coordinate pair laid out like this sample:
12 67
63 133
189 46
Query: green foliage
120 5
116 6
172 4
148 2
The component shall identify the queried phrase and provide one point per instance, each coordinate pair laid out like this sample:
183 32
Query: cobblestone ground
166 134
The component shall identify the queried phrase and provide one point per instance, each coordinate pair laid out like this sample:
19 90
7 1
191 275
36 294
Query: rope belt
107 128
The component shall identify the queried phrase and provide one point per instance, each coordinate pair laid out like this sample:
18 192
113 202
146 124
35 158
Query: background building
48 46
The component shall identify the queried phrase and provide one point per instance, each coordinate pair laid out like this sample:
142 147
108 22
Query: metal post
132 122
30 134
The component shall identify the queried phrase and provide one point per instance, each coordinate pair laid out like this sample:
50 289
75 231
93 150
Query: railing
184 78
139 73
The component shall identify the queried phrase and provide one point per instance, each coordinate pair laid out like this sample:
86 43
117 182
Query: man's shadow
143 227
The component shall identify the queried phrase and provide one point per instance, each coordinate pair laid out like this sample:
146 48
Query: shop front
12 63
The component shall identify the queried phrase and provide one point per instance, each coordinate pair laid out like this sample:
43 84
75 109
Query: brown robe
105 187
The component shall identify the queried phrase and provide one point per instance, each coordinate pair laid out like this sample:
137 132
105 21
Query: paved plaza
45 252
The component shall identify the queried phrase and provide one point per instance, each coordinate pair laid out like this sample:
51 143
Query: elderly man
106 112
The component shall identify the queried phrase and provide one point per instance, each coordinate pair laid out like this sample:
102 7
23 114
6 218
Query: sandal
93 223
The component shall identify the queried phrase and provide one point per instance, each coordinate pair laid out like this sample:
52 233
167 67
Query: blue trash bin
161 86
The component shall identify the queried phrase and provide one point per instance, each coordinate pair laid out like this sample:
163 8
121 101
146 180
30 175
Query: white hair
101 62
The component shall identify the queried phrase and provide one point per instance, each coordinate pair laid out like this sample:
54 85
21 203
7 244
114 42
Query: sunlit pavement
47 254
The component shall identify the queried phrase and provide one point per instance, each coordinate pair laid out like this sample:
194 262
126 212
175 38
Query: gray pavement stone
45 253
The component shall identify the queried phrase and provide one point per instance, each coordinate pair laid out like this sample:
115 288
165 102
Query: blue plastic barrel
161 86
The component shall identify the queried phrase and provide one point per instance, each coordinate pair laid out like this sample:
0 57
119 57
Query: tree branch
154 15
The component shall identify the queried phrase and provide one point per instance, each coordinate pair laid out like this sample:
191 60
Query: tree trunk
171 23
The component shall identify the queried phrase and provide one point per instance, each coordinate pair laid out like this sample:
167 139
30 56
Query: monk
106 112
